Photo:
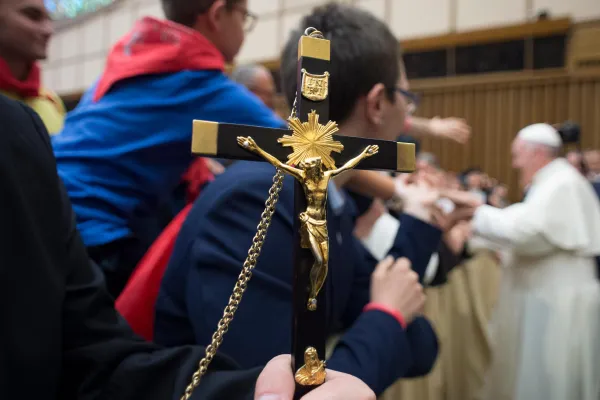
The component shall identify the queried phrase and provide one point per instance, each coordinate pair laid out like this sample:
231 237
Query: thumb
276 381
383 266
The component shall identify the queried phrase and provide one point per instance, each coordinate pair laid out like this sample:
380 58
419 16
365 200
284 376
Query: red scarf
30 87
155 46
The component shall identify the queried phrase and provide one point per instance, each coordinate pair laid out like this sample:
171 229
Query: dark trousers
117 260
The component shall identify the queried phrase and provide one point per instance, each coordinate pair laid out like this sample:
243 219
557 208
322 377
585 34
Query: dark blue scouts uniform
211 249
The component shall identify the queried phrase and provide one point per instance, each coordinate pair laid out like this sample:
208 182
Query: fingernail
270 397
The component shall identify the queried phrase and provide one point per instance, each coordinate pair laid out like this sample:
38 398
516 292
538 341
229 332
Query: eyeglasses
411 98
249 18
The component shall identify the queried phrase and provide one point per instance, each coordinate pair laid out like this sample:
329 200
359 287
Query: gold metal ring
313 32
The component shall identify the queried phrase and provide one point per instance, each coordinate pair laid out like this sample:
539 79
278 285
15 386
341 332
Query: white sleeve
382 236
432 269
516 226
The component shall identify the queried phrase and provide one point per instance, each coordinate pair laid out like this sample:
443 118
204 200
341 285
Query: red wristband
407 125
388 310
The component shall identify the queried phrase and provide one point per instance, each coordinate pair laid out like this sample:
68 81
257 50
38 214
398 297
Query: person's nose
47 28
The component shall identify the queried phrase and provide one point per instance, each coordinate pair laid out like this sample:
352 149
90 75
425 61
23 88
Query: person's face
574 158
474 180
313 168
226 27
501 191
264 87
25 29
452 181
422 164
391 114
592 158
520 154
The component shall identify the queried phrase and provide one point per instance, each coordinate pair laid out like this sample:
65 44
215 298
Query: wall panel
498 106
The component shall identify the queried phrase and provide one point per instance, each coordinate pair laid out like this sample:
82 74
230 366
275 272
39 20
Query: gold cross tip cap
313 47
405 157
204 137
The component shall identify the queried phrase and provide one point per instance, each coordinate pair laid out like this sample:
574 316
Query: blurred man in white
546 328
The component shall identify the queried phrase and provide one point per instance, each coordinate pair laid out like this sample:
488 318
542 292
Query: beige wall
77 52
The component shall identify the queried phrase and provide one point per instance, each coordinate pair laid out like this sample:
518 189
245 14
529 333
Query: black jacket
60 336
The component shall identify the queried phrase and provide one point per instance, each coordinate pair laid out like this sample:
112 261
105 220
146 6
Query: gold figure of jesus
313 371
314 179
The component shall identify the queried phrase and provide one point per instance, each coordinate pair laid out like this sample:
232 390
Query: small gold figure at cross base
313 372
312 144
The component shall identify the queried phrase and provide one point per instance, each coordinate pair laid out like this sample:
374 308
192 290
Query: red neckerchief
155 46
196 176
30 87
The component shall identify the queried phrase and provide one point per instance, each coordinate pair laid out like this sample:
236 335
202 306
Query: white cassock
546 326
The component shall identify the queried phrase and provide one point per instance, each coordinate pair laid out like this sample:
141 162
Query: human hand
396 285
455 129
276 382
463 213
462 198
431 177
443 220
371 150
247 142
457 237
417 195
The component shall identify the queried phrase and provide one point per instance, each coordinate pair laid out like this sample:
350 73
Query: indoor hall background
498 106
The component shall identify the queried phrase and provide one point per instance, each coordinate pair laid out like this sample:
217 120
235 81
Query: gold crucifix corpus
312 144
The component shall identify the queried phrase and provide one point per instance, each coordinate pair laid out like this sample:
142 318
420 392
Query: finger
384 265
402 264
341 386
276 381
413 276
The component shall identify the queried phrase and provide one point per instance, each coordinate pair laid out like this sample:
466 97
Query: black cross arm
213 139
219 140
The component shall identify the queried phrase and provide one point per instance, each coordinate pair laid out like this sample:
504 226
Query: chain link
240 285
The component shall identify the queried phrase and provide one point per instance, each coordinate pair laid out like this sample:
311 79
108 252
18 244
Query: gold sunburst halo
311 139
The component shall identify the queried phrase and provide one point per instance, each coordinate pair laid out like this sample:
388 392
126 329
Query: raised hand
462 198
247 143
371 150
455 129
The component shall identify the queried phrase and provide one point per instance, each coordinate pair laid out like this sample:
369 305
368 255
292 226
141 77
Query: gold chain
240 285
242 281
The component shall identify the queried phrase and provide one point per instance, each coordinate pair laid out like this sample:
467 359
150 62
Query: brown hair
184 12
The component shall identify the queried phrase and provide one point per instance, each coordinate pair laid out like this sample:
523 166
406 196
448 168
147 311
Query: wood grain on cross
211 139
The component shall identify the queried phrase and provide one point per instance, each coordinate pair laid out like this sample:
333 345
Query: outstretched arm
367 152
249 144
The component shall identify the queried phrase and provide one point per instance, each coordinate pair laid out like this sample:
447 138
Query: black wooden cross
211 139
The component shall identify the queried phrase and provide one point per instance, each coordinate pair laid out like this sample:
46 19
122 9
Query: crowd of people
110 224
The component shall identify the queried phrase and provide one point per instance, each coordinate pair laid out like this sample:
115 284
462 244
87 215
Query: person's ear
215 13
375 104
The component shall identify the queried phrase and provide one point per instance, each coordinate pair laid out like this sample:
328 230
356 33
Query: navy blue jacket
208 256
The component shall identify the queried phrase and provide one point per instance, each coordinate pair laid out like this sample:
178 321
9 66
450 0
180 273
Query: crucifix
310 152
